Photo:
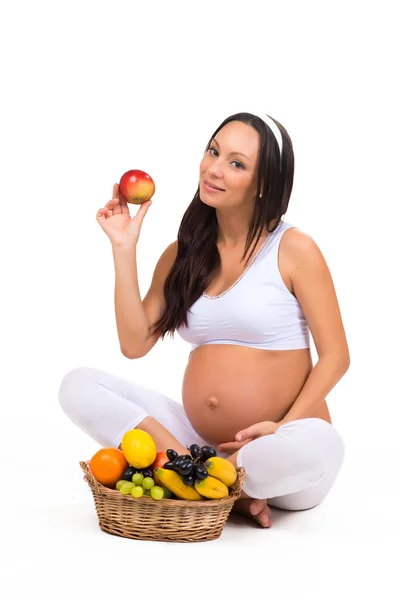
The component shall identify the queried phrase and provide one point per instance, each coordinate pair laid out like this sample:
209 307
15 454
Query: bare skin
254 508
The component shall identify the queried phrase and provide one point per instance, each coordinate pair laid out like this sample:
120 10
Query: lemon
139 448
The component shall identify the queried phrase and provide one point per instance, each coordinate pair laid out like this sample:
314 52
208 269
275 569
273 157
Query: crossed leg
293 468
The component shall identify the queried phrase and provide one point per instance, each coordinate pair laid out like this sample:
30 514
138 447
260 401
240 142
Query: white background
93 89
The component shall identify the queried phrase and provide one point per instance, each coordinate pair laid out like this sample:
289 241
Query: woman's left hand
248 435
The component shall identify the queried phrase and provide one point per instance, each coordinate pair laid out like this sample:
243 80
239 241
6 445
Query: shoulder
171 251
166 260
301 257
299 248
303 260
173 248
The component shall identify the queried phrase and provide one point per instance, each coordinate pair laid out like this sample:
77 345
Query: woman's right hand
116 222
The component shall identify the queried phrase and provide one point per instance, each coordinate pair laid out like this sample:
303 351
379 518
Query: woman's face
231 163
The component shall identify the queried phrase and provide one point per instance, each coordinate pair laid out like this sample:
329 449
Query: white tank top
256 311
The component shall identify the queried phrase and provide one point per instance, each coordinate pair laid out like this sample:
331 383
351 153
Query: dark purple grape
147 473
178 461
186 467
207 452
195 451
127 474
169 465
188 479
187 456
172 454
201 472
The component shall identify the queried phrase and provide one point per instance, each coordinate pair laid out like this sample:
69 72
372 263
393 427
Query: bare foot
254 509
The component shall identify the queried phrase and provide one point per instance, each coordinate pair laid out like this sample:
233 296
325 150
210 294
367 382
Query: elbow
343 363
346 360
129 354
340 362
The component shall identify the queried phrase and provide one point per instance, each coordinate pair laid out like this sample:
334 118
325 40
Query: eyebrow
230 154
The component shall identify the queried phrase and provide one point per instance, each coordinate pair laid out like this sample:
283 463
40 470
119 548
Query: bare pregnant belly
226 388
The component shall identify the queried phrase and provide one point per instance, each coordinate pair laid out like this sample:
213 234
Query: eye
240 166
238 163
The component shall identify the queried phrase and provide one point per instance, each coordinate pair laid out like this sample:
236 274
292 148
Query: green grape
157 492
137 478
167 492
120 482
126 488
137 491
148 483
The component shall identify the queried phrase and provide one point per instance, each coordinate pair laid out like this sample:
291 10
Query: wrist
123 254
123 248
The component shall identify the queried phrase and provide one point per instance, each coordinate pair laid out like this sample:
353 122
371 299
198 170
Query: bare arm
134 317
132 324
314 289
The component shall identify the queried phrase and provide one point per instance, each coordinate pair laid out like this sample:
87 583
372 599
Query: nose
215 171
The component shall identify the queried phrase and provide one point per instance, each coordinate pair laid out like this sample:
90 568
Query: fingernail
239 437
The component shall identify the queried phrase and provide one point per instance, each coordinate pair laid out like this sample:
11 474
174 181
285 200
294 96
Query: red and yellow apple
159 461
136 186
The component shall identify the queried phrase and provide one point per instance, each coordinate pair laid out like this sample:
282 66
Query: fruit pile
138 469
190 466
138 483
198 475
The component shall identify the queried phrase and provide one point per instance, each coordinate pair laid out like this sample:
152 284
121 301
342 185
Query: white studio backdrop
93 89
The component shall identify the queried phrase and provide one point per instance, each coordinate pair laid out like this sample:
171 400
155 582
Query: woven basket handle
90 479
237 486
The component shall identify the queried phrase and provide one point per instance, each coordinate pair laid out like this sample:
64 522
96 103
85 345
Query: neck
236 239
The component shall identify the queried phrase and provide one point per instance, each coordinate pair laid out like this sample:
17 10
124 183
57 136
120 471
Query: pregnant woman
250 388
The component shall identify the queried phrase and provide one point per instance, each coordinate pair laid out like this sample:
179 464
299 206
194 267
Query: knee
314 434
332 438
72 390
330 446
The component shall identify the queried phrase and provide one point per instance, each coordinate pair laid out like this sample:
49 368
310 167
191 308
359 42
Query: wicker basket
165 520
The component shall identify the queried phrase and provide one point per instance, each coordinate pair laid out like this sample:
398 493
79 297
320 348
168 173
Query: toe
261 512
256 506
264 519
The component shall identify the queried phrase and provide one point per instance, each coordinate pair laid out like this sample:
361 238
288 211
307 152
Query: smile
210 188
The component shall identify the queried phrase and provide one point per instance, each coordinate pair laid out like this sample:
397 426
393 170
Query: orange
108 465
139 448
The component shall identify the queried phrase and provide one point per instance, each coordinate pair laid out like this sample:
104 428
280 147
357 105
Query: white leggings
293 468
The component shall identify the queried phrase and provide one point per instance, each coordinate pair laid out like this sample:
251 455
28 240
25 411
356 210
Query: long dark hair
198 257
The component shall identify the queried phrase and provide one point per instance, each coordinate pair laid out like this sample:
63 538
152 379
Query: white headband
274 127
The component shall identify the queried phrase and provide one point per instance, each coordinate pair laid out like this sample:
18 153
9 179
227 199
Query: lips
213 186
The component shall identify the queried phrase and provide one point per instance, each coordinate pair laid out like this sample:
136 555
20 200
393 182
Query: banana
212 488
221 469
173 482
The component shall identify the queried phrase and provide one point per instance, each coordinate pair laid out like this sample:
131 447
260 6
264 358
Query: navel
212 402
